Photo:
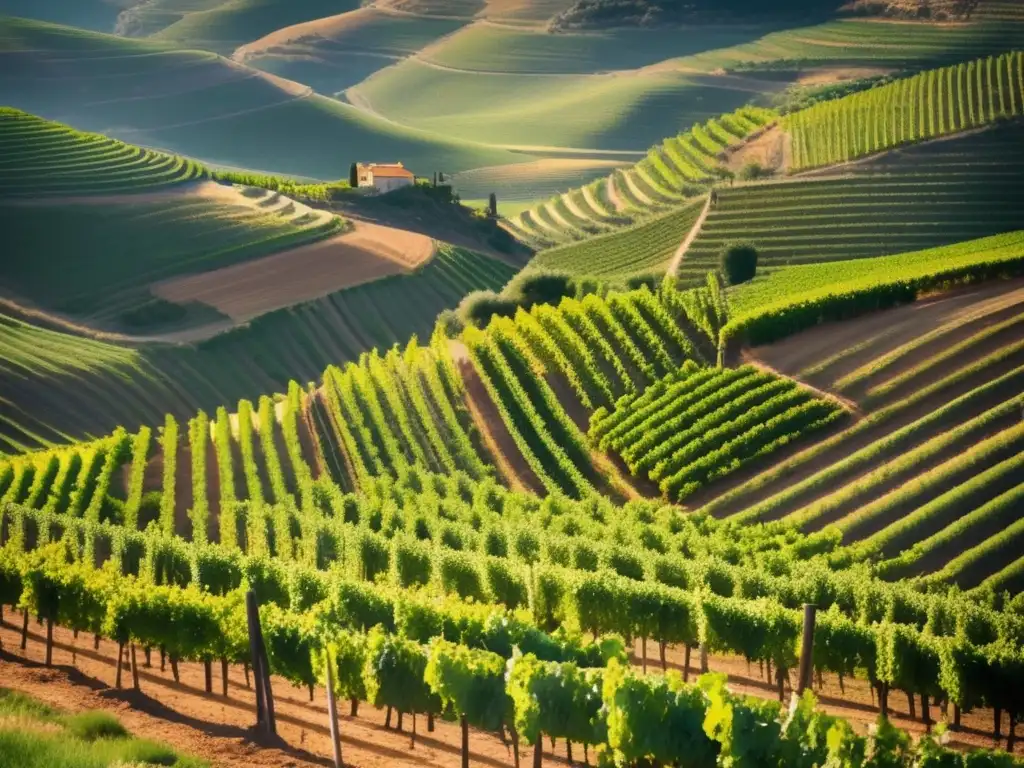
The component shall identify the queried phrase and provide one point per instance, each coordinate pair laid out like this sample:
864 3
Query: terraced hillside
42 158
676 170
641 250
50 397
115 220
934 103
930 469
913 198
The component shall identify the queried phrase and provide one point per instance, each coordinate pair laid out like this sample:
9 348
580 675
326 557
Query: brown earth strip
220 729
496 437
246 290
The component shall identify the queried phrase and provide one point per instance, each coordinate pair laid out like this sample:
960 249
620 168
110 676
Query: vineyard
917 198
629 507
934 103
677 169
42 158
645 248
51 377
693 427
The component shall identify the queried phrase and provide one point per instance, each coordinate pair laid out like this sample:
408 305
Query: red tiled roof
391 172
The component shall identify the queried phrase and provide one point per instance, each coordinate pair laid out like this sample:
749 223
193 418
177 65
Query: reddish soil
867 339
885 330
244 291
496 437
221 730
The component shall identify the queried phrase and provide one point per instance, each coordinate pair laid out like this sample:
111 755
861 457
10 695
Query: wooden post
686 663
780 675
883 699
224 676
332 712
24 630
464 724
661 652
120 656
538 752
926 714
208 674
353 710
956 716
1011 739
135 668
96 642
568 751
911 705
643 653
703 658
148 653
997 719
515 745
264 696
49 642
806 650
174 669
245 668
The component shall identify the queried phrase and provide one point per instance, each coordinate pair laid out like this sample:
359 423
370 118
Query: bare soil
767 150
497 439
220 729
829 75
684 246
891 328
244 291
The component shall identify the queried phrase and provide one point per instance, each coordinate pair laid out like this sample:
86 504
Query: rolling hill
490 515
203 106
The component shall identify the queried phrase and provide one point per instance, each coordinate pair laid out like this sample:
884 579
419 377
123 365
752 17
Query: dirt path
220 729
677 257
497 439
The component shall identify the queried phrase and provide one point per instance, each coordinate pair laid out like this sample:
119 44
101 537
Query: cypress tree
353 176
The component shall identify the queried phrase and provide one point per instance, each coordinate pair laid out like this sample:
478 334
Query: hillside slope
206 107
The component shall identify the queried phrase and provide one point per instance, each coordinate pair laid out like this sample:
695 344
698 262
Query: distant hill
617 13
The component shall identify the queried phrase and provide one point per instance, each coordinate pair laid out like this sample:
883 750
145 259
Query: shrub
480 306
739 263
90 726
752 171
451 324
539 287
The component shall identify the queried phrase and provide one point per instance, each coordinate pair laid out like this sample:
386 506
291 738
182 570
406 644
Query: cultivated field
939 193
492 516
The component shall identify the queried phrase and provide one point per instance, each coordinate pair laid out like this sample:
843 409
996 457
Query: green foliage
470 682
739 263
89 726
821 133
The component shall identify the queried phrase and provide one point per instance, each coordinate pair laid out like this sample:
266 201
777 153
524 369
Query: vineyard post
806 648
264 712
332 712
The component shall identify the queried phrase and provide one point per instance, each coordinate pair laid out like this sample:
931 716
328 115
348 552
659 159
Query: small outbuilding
384 177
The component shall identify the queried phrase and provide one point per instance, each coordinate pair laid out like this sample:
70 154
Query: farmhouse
384 177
